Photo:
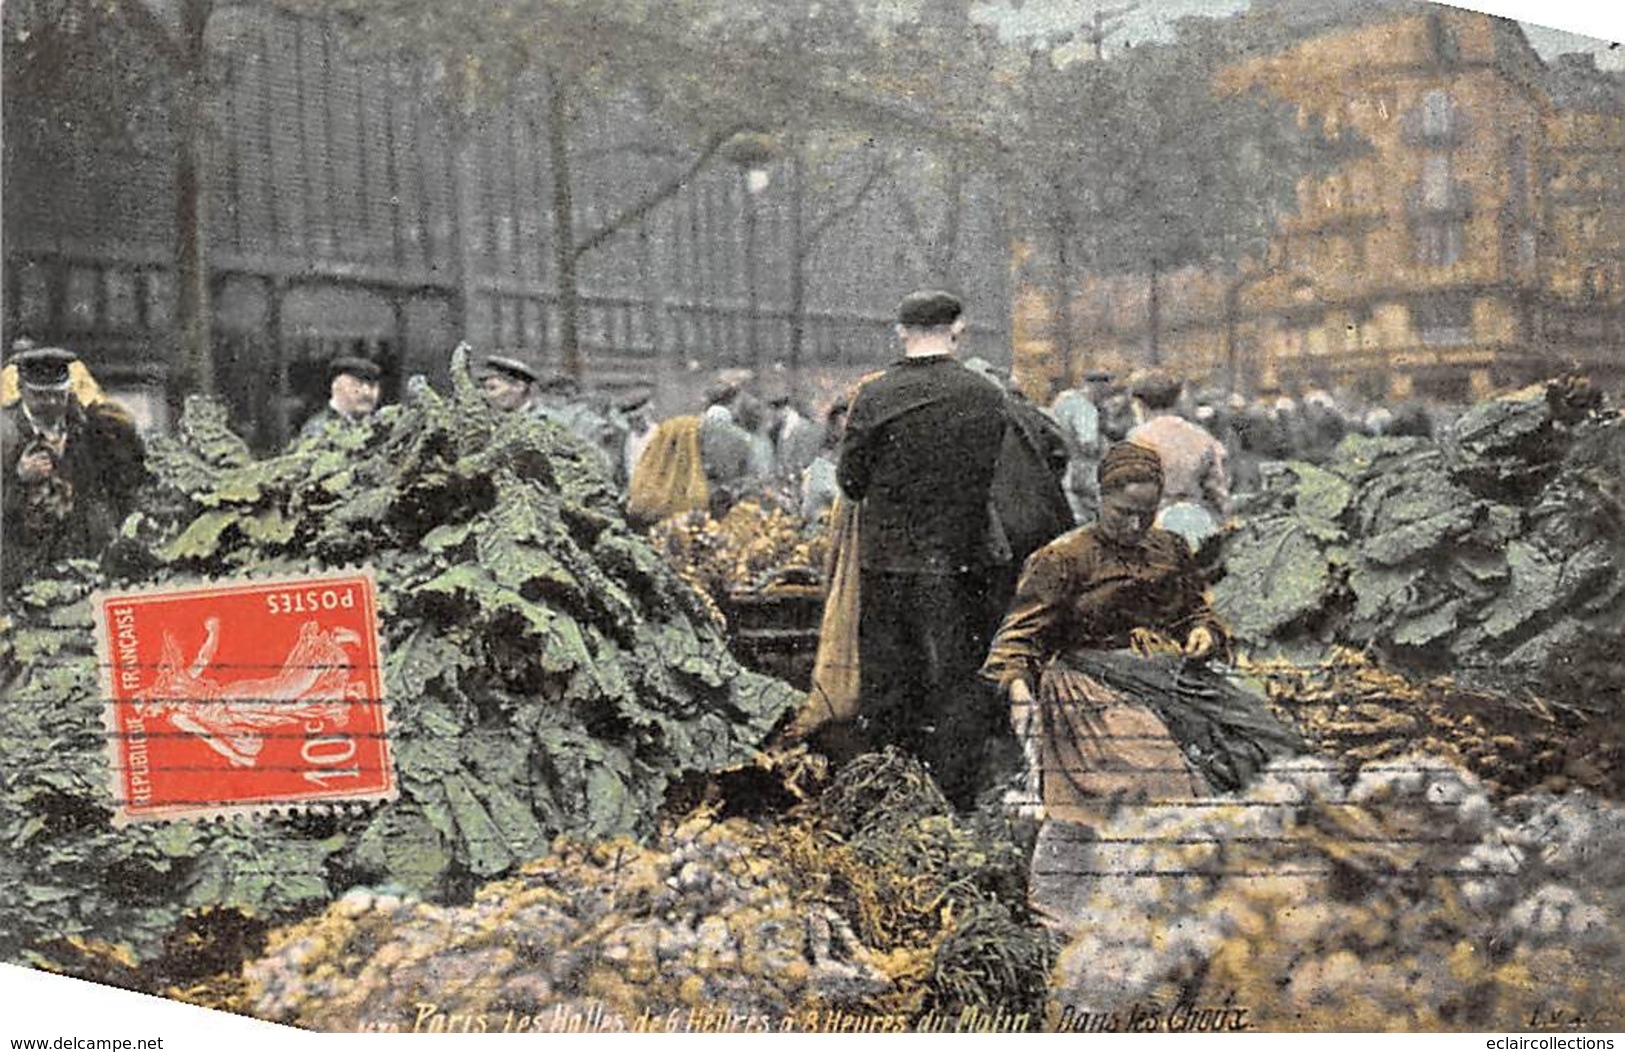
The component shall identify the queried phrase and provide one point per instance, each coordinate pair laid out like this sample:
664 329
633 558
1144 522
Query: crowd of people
983 542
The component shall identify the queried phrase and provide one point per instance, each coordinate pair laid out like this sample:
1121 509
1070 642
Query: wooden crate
775 631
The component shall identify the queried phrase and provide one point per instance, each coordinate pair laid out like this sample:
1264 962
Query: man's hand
1022 709
35 466
1200 643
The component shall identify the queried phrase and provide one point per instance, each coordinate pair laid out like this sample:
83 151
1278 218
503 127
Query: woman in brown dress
1111 586
1105 587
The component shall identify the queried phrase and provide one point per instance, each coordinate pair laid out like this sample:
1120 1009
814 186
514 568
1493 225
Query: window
122 308
533 324
1526 249
35 295
1439 242
1436 181
1444 322
160 296
1518 181
1452 388
1437 114
83 295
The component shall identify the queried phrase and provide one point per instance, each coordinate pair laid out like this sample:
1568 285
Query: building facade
1473 241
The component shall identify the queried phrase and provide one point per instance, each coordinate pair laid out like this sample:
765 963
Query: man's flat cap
725 384
44 368
1097 377
509 367
929 309
634 398
350 365
1156 385
560 383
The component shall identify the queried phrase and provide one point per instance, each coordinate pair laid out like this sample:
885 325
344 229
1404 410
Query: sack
669 478
835 679
1191 521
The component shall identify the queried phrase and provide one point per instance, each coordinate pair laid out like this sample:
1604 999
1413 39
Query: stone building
1474 242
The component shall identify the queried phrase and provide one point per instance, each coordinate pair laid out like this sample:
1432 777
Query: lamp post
756 182
752 152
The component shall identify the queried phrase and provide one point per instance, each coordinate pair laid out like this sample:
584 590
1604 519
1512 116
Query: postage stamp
244 697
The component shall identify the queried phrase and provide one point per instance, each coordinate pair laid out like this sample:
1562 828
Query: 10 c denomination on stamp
243 697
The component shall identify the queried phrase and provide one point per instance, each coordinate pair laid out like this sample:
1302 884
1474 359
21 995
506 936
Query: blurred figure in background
1078 414
636 408
1117 413
751 414
1324 426
795 439
1411 419
819 487
353 391
508 384
1253 431
728 452
1196 488
1029 504
559 398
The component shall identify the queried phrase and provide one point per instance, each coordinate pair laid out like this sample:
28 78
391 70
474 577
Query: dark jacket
322 419
76 512
1027 493
919 450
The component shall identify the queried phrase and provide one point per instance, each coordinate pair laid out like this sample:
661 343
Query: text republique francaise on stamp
246 696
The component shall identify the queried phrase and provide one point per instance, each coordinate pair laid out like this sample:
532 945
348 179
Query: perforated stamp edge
228 810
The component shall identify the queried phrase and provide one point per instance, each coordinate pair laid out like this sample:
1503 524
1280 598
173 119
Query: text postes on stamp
236 697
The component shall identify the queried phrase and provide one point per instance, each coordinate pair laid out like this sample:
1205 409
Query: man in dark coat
919 451
71 471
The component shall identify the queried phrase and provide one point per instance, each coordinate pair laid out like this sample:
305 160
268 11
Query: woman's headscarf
1127 463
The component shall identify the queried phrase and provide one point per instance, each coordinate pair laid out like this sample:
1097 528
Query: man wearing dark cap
918 451
508 384
352 385
71 470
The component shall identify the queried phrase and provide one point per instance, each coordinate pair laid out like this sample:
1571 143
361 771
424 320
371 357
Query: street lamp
756 182
752 151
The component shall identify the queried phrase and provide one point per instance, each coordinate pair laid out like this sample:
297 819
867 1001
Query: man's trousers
922 637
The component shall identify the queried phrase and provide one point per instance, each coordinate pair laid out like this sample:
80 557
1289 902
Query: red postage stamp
244 697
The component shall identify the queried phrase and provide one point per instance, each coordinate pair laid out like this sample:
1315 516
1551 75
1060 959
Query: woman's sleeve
1195 609
1027 636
